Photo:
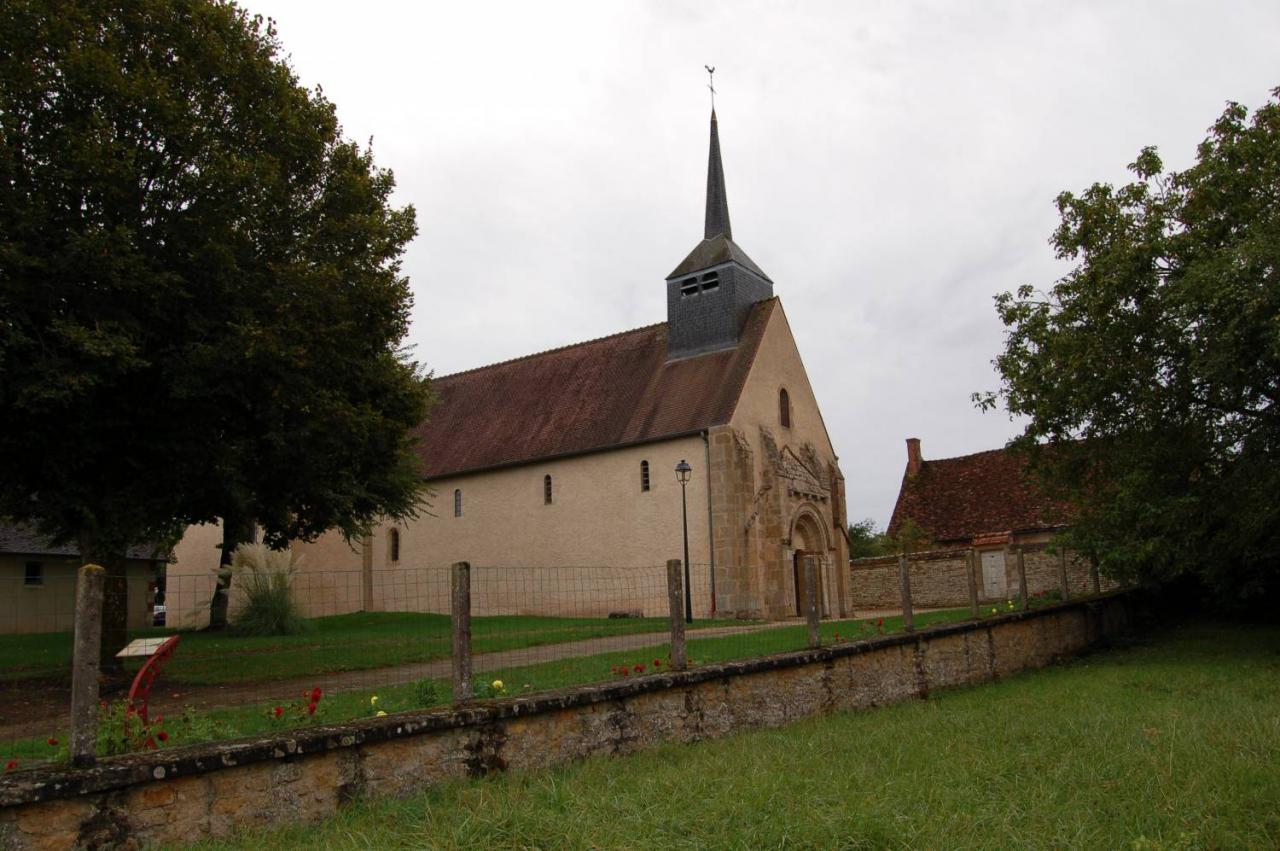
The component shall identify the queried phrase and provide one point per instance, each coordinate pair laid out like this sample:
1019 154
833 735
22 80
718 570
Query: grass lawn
1173 743
257 717
351 642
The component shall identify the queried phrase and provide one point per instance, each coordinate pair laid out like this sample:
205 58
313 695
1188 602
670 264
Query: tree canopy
1153 366
865 540
201 302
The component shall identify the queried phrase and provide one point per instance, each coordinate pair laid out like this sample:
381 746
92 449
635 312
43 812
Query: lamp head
683 470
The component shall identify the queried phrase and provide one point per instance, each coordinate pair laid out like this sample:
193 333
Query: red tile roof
600 394
988 493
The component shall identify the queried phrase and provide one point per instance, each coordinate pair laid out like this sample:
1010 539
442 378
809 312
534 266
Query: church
567 459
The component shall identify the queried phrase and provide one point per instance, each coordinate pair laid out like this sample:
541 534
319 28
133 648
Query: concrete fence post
1062 574
811 600
463 690
904 579
1022 580
1093 576
675 602
971 567
84 665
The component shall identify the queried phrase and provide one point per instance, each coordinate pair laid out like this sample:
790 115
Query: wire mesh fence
358 643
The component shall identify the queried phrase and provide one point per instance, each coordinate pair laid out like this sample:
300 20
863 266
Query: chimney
913 456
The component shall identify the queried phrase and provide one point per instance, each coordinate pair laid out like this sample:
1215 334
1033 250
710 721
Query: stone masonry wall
189 793
938 578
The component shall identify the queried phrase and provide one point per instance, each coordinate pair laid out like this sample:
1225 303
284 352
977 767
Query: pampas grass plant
264 579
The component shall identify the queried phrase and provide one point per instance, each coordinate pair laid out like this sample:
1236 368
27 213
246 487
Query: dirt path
37 709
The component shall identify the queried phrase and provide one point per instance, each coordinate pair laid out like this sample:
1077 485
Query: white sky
890 165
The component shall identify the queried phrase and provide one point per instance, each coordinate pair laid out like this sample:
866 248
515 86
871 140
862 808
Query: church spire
717 200
714 289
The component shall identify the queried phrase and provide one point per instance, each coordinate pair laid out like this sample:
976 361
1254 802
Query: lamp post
682 474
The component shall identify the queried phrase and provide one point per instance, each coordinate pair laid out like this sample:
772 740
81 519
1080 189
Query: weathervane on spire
711 75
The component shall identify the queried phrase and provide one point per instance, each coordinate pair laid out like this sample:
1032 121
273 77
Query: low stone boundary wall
185 794
939 580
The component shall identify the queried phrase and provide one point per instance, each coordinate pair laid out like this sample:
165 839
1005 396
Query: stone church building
566 459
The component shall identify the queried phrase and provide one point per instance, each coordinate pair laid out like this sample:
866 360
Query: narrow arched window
784 408
457 502
546 489
644 475
393 545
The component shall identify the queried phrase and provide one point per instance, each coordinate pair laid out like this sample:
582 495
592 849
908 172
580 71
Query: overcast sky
890 165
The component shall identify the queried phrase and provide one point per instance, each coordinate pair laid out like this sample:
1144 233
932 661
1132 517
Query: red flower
53 741
880 622
311 709
11 765
639 668
315 694
159 719
625 672
657 663
162 736
278 711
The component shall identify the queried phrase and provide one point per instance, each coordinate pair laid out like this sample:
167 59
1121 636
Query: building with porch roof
565 460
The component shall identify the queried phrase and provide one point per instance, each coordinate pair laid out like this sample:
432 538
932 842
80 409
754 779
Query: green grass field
1173 743
257 717
353 642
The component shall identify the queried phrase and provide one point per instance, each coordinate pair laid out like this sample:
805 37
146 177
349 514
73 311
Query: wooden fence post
811 600
84 665
675 602
904 578
1022 581
1062 574
1093 575
463 690
971 566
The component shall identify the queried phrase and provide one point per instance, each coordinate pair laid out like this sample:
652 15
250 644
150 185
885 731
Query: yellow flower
497 685
379 714
373 701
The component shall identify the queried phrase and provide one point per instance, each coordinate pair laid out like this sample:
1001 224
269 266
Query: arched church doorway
807 540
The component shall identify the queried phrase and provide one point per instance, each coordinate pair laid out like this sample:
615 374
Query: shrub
427 693
264 579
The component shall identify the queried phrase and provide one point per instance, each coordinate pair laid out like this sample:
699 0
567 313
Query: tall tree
1154 364
201 304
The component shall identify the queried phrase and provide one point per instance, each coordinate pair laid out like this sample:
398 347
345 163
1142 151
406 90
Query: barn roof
601 394
20 539
987 493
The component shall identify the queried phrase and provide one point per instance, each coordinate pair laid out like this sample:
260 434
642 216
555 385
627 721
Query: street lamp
682 474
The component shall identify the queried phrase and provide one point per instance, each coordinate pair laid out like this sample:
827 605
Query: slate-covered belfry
711 292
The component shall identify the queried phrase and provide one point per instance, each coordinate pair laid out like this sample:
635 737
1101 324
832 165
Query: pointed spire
717 200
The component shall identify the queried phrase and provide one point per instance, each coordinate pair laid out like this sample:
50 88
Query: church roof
713 252
601 394
957 499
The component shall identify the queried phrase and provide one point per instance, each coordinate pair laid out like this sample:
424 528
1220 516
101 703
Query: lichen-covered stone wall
939 578
189 793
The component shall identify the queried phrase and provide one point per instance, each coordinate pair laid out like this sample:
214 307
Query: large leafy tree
201 304
1153 366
